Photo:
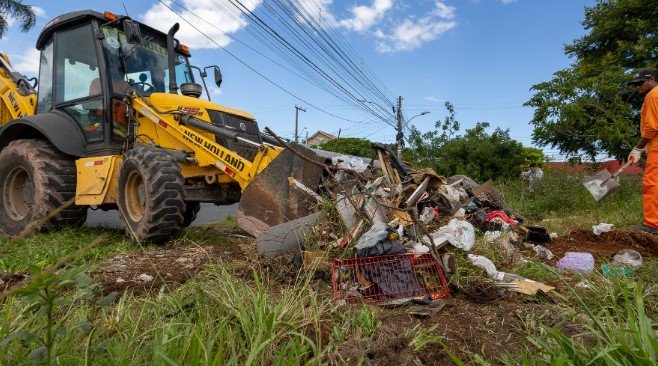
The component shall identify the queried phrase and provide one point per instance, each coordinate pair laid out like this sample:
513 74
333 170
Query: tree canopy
349 145
15 9
587 109
477 153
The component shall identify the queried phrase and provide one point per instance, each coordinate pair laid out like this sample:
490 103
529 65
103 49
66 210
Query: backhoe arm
17 95
206 151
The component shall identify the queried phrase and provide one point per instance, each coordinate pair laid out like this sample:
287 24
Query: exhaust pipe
173 86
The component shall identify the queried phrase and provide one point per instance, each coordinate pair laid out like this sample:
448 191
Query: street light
420 114
400 136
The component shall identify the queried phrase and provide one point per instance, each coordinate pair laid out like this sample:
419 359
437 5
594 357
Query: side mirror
132 31
218 76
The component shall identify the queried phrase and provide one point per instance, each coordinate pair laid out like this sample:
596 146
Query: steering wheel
146 88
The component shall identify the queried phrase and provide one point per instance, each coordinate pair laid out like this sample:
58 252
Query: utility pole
297 109
400 135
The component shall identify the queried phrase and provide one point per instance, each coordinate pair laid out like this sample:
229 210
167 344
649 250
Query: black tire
151 196
35 180
191 209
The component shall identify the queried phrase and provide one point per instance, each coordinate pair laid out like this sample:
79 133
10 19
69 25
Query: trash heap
384 228
388 234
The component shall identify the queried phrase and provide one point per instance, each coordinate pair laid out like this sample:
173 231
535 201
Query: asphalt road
209 214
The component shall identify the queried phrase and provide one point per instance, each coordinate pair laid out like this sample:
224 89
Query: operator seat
118 106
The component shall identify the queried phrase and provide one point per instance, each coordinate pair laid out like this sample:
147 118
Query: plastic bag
377 233
576 261
490 267
627 257
543 252
459 233
485 263
601 228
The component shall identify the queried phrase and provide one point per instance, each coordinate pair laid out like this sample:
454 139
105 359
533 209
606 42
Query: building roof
322 133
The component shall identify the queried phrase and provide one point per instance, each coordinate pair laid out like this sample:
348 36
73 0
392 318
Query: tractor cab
89 61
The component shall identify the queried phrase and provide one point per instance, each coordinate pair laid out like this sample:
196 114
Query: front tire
151 197
35 180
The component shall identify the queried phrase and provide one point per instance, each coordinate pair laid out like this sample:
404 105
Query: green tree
15 9
478 154
349 145
587 109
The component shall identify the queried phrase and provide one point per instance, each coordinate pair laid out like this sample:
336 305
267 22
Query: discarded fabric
384 247
502 216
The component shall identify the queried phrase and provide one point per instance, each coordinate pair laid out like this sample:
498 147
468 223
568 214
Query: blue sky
481 55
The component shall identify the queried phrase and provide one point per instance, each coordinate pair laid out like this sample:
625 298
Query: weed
420 337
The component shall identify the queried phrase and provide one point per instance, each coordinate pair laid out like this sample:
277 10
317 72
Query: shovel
603 183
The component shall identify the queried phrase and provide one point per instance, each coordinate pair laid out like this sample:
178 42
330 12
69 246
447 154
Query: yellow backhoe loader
118 123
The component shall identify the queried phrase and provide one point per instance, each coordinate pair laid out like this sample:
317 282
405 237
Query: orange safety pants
650 190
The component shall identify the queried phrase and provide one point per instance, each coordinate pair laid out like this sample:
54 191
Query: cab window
77 85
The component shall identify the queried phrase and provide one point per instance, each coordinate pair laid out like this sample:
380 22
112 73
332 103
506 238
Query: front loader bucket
269 199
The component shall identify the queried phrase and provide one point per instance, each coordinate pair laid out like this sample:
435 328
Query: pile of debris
395 224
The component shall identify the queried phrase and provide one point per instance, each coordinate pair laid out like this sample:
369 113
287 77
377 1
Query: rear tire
35 180
151 197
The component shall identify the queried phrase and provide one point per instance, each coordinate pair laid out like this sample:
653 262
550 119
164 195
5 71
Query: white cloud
39 12
364 17
26 62
317 10
411 33
507 1
432 99
216 23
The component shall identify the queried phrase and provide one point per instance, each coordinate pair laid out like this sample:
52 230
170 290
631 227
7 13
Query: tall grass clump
215 319
563 197
617 335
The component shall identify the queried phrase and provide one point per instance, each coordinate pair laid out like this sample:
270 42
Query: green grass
561 201
46 249
229 315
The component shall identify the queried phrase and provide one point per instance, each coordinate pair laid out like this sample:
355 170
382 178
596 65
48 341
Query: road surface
209 214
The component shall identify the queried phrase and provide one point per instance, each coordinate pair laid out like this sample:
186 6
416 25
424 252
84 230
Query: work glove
635 155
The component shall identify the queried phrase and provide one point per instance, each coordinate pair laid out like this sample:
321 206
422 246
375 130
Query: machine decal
14 104
190 110
198 141
113 42
94 163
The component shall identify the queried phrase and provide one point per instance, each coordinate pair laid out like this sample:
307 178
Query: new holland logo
243 127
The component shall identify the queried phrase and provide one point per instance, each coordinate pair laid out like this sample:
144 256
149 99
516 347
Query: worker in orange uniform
645 82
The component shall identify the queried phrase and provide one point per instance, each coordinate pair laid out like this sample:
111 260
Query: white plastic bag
601 228
377 233
627 257
485 263
459 233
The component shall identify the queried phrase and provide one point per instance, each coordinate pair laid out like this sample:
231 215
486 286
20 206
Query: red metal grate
390 277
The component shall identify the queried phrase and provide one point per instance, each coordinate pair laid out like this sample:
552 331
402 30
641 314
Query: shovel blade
601 184
269 200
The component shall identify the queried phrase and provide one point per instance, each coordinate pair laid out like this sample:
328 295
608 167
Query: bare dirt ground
490 329
9 280
171 266
606 245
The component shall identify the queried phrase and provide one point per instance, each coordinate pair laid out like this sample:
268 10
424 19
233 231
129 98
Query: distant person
535 174
645 84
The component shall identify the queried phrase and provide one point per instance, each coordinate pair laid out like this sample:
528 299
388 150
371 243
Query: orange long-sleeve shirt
649 118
